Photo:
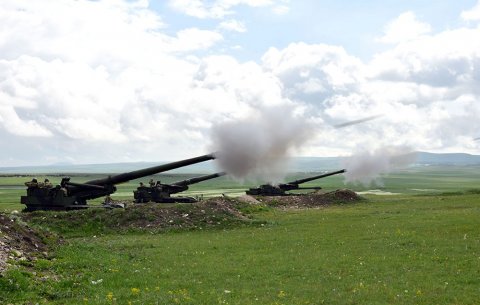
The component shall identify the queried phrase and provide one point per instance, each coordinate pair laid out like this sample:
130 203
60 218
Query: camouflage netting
19 242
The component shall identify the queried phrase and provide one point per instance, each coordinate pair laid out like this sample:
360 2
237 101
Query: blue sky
117 81
353 25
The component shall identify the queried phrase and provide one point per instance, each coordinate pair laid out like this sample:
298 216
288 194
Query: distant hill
298 164
107 168
315 164
447 159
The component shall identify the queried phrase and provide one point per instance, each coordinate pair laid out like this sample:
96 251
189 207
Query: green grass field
419 247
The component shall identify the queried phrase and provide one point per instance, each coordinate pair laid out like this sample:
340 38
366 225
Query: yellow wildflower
110 296
135 290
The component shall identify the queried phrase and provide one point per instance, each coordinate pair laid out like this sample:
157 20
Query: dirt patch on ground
19 242
214 212
248 199
315 199
211 212
218 212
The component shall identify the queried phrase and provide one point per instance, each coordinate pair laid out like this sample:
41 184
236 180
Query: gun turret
294 185
161 192
71 195
280 189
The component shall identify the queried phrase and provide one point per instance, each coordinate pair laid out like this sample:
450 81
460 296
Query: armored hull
70 195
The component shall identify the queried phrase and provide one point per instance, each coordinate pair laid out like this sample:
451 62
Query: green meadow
418 246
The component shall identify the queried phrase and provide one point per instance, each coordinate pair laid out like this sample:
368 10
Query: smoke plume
366 166
258 146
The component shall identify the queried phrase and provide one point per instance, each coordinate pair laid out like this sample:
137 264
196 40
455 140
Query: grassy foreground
389 250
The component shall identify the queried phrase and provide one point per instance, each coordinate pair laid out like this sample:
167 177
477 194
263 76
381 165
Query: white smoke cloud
259 145
366 167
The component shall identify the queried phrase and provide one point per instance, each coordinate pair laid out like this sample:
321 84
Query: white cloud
195 39
71 75
404 28
244 85
76 30
281 9
21 127
426 89
472 14
311 73
233 25
221 8
196 8
81 88
444 59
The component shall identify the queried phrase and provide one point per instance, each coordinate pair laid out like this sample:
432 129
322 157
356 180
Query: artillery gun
282 188
71 195
162 192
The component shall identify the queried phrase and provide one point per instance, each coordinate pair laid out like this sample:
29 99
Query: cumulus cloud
472 14
404 28
195 39
233 25
425 88
73 76
281 9
15 125
194 8
221 8
86 90
312 73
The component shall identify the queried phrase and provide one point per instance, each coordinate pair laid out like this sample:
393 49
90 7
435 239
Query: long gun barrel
71 195
300 181
198 179
280 189
124 177
162 192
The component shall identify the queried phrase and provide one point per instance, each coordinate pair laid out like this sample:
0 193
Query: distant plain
415 180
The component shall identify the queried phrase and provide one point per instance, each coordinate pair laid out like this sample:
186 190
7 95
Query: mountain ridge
296 164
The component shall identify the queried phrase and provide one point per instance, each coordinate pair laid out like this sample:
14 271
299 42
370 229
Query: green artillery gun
71 195
162 192
282 188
